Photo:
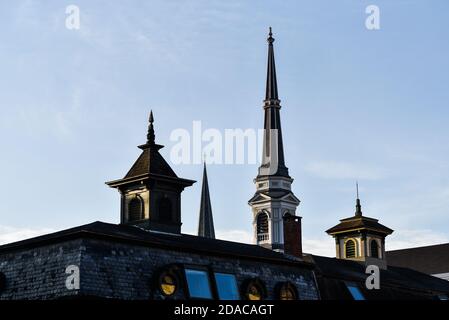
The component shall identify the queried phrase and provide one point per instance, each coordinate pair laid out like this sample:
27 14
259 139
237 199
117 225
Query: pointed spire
206 221
358 206
150 135
272 86
273 162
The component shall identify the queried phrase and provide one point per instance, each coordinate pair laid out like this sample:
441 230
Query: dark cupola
151 191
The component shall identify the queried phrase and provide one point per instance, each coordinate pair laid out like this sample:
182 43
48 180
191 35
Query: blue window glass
226 286
198 283
355 292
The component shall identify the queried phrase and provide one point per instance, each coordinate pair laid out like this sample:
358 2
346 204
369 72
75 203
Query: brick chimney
292 235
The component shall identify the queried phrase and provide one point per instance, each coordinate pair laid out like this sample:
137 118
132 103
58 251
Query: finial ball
270 36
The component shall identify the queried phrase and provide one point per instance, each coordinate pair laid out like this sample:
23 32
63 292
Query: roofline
359 218
419 248
119 182
391 284
77 233
358 229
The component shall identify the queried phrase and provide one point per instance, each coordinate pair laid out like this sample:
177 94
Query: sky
357 104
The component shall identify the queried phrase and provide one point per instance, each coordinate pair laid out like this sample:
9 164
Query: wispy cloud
403 239
50 119
344 170
11 234
400 239
323 246
428 206
25 14
235 235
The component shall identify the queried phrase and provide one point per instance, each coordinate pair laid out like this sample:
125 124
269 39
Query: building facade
127 262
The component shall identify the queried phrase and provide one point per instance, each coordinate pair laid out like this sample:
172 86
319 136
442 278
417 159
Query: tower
151 191
274 198
206 221
360 238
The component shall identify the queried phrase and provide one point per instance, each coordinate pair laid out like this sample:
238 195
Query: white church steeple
273 198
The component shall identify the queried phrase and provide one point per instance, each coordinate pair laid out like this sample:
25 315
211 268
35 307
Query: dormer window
135 209
355 292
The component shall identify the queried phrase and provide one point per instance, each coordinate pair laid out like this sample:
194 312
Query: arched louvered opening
262 227
135 209
374 249
165 210
350 249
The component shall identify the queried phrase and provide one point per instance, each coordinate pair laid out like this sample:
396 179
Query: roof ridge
421 247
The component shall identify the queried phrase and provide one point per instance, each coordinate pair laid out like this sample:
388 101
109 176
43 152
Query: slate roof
150 161
150 164
430 259
395 283
359 222
177 242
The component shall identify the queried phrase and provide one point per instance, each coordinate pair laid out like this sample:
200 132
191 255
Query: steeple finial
150 135
206 221
270 37
358 206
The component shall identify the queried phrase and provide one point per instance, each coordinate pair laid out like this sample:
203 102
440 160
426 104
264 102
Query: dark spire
358 206
150 135
272 86
273 162
206 221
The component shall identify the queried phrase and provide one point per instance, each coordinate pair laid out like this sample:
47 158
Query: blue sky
357 105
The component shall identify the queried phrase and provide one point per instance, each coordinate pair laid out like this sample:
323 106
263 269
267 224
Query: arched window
350 250
167 280
287 291
168 283
374 249
262 227
165 210
135 209
254 289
